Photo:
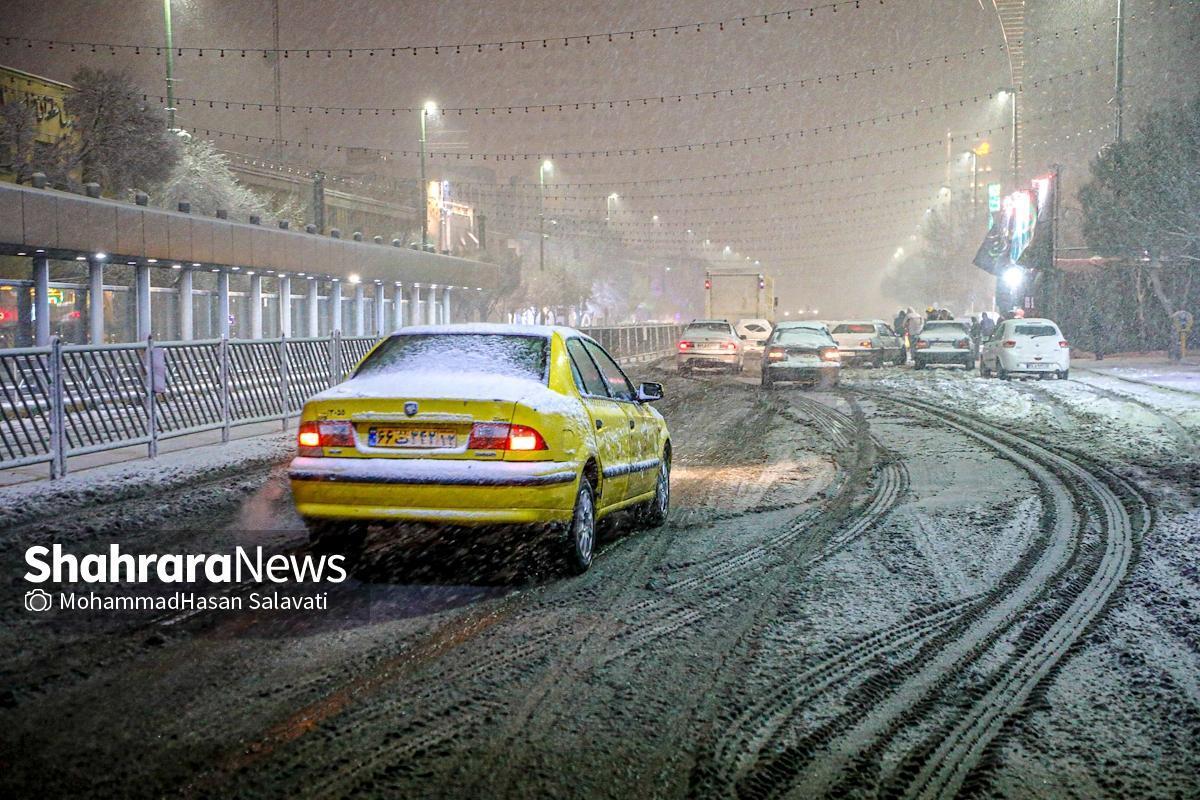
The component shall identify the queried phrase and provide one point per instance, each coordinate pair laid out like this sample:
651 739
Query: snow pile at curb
130 480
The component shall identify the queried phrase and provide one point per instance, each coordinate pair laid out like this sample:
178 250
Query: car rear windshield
954 327
802 338
723 327
1035 330
856 328
510 355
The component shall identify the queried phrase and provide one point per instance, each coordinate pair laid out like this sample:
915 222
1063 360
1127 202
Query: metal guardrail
69 400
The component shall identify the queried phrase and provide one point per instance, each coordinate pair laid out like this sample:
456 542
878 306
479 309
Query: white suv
1026 347
754 333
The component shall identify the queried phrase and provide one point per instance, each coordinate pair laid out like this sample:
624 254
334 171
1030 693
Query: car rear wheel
767 383
984 371
579 540
1064 374
1002 373
654 514
918 364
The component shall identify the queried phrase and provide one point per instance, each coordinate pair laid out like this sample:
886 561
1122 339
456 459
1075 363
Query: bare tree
122 143
18 131
20 151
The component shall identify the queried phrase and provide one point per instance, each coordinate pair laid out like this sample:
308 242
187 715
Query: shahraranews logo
51 564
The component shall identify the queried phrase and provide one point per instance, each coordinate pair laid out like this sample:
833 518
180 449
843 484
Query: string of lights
672 32
665 149
457 48
625 103
728 208
310 171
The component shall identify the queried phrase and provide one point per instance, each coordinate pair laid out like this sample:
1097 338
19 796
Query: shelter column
41 300
256 326
446 305
335 306
431 305
398 305
414 304
285 305
186 315
359 310
313 303
223 304
380 315
95 301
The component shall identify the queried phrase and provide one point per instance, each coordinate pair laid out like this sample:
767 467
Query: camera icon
38 600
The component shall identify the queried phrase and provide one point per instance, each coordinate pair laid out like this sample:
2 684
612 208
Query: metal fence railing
69 400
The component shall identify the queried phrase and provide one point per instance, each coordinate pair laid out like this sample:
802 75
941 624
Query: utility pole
546 165
1118 97
423 201
1052 291
170 66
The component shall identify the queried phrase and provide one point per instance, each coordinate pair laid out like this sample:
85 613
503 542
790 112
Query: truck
733 295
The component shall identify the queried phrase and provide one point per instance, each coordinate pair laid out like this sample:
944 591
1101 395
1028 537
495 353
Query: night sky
826 230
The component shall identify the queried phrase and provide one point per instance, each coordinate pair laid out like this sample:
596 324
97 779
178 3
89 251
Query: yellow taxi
482 425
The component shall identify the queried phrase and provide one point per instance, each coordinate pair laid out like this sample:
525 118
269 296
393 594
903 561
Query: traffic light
707 284
762 282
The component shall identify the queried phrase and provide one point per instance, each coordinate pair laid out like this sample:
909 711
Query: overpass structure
187 276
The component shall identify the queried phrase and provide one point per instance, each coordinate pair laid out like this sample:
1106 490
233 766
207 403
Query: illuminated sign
993 197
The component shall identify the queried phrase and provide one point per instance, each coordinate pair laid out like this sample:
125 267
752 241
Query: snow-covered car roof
813 324
499 328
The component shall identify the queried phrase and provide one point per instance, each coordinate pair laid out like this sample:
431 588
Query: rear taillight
922 344
521 437
728 346
1063 344
1010 343
685 345
776 354
962 344
830 354
502 436
316 435
309 439
488 436
865 343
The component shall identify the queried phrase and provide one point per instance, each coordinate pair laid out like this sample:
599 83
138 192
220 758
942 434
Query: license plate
418 438
1039 366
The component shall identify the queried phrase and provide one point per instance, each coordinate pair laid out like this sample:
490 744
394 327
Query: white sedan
710 343
1026 347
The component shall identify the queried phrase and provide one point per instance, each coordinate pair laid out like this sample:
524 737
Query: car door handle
599 424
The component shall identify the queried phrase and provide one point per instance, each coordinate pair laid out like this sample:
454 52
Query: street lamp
170 66
542 170
430 107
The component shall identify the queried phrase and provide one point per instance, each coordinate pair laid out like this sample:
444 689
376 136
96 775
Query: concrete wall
66 225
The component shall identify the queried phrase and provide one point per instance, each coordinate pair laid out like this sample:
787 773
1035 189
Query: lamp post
170 66
982 149
423 204
1119 93
542 170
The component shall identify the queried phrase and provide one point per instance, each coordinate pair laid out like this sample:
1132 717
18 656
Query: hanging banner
1021 230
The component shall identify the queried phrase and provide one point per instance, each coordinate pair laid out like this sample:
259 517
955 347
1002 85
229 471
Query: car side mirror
742 336
649 392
